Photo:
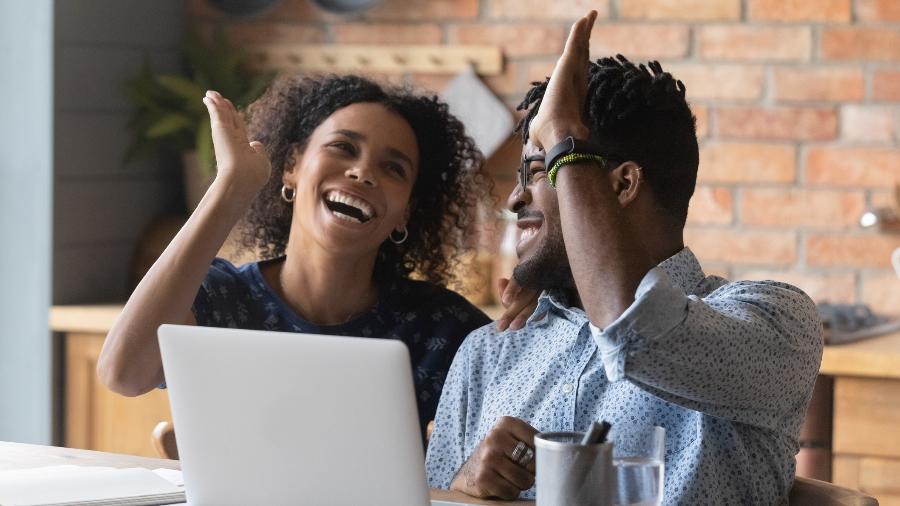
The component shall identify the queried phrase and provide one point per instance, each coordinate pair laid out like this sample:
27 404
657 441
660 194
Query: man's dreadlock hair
638 115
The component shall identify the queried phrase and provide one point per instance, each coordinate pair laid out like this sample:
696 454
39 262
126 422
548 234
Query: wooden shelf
413 59
88 319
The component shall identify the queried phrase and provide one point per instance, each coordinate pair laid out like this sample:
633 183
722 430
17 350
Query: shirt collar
683 268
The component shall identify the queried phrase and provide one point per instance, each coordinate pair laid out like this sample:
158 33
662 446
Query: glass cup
569 473
638 459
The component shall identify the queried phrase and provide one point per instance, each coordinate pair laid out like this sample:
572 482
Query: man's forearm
606 257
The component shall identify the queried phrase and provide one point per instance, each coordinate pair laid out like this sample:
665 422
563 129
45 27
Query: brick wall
797 101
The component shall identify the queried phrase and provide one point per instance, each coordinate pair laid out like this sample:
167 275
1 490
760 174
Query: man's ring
522 454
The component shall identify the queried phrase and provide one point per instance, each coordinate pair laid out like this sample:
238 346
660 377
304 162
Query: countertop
875 357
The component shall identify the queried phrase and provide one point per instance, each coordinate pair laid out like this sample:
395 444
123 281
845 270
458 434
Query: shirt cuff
658 307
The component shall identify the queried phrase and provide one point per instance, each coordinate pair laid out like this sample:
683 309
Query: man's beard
549 267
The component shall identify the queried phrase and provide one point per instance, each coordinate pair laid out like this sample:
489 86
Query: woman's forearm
130 362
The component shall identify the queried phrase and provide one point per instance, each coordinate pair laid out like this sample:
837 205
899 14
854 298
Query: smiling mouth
528 233
349 208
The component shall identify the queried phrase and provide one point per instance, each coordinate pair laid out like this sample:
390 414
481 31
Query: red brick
567 10
884 199
878 10
284 11
818 84
717 269
782 123
867 124
886 85
519 39
387 33
436 10
681 10
260 32
701 112
539 71
640 41
793 207
747 163
879 292
798 10
719 82
711 206
754 43
837 288
860 43
851 250
846 166
750 247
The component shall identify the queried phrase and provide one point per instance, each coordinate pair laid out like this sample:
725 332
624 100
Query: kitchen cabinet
866 417
95 418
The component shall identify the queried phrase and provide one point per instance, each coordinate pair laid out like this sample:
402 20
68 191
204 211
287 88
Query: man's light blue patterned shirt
726 368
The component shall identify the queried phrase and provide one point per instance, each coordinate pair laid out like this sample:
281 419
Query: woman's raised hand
244 163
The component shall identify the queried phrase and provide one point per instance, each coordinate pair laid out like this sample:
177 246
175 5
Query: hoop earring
402 239
285 196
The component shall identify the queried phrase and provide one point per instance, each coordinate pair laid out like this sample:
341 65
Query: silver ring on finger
522 454
526 457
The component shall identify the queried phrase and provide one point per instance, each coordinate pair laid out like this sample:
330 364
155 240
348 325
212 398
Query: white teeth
342 216
528 233
343 198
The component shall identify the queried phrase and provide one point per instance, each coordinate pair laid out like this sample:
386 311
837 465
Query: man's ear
627 181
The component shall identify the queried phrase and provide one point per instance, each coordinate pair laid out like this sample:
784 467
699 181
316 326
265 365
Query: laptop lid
282 418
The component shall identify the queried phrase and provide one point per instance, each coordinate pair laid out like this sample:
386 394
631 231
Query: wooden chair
809 492
164 440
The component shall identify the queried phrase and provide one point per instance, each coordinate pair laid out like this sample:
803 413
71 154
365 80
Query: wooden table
866 415
24 456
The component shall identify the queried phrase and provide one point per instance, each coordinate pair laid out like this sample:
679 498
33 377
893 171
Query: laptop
281 418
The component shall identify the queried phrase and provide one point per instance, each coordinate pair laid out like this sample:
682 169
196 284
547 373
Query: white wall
101 204
70 209
26 60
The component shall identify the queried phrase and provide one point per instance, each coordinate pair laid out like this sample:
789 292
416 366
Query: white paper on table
76 484
173 476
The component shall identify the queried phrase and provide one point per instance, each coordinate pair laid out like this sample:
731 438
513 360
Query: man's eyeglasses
525 172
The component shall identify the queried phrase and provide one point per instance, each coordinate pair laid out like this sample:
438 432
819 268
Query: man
628 329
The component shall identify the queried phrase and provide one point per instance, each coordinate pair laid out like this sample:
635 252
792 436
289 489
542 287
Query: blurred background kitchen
798 115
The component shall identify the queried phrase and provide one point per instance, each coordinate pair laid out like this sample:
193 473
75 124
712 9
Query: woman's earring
402 239
287 193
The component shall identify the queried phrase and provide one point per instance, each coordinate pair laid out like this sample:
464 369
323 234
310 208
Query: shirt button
567 388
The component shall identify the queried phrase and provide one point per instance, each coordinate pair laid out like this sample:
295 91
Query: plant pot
196 180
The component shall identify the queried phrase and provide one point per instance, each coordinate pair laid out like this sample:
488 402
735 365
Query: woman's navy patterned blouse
432 321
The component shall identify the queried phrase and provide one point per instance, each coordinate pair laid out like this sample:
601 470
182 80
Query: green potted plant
170 117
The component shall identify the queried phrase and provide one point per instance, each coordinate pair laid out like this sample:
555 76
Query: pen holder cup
573 474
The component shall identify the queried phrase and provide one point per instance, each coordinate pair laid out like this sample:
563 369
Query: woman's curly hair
450 181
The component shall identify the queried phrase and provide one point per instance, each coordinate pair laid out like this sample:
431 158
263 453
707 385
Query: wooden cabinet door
98 419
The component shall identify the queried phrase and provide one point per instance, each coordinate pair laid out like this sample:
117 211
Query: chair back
164 440
809 492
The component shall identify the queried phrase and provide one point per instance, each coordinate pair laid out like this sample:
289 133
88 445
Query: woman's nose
519 198
360 172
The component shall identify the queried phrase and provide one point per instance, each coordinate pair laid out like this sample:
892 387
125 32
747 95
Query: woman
347 189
